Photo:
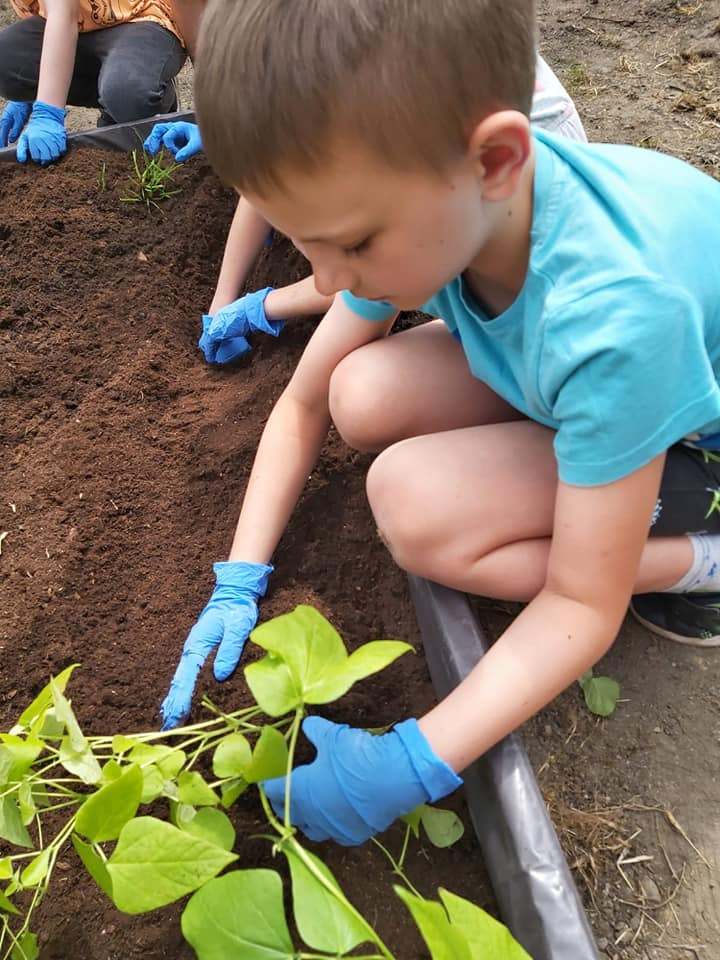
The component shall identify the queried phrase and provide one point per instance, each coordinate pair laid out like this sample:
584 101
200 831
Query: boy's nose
330 279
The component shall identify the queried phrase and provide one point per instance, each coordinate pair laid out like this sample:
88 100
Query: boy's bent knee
356 403
399 505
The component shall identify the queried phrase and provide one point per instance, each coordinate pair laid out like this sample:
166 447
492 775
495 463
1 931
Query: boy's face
381 233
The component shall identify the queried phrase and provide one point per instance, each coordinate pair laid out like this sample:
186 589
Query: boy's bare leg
464 490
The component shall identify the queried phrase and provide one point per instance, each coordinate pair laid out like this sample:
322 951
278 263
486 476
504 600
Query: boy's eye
359 247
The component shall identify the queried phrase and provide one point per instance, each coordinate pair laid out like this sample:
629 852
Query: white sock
704 573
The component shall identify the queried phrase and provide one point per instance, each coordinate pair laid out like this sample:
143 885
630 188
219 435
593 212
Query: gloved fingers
185 153
16 126
205 635
318 730
227 350
153 141
237 630
39 151
6 130
176 705
22 149
275 792
230 321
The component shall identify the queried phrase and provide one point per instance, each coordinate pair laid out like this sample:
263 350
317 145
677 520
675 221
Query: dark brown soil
124 461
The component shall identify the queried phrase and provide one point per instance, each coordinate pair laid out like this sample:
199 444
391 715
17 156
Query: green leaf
324 921
365 661
412 819
45 698
155 864
105 813
239 915
7 906
601 695
26 947
111 771
36 871
12 828
82 763
6 868
21 752
313 664
272 685
121 744
27 803
270 757
231 790
444 941
94 864
65 715
152 784
193 789
211 825
484 934
232 756
443 827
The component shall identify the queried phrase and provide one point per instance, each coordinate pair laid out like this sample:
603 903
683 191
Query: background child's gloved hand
225 333
13 119
44 138
181 138
358 783
225 623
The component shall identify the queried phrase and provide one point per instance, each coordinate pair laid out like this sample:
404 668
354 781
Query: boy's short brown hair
277 81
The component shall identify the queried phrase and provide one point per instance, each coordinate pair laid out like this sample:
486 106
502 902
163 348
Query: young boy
524 438
229 321
121 57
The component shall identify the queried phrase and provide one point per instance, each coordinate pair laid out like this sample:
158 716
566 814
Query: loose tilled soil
125 458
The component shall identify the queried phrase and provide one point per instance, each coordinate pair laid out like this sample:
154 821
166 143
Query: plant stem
295 730
397 868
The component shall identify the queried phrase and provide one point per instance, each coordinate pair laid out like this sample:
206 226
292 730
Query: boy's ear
499 148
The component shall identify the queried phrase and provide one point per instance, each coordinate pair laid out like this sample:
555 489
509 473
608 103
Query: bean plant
60 787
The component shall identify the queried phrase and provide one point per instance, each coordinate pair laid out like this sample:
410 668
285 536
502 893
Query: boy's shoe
691 618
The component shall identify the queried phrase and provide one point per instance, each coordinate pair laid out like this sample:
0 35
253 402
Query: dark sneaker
692 618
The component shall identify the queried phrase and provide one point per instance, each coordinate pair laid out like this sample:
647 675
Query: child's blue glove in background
225 623
224 336
44 138
13 119
181 138
358 784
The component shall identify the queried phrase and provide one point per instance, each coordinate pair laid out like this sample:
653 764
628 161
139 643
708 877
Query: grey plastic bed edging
535 891
121 136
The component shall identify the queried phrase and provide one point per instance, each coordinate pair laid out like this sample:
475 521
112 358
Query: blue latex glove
44 138
225 333
13 119
225 623
358 784
181 138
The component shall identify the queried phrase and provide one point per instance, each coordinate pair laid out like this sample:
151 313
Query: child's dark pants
127 70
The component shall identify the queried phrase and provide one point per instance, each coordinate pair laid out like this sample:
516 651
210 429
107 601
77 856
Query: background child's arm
294 433
247 234
599 535
58 51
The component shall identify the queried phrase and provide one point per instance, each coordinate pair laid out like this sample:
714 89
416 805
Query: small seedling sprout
150 180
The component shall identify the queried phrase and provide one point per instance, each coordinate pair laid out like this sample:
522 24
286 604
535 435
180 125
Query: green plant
601 693
150 180
102 178
95 787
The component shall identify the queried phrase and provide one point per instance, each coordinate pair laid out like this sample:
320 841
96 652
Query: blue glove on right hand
13 119
225 623
44 138
224 336
358 784
181 138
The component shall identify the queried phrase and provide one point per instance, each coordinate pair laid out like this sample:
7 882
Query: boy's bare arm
599 535
187 15
294 433
247 233
58 51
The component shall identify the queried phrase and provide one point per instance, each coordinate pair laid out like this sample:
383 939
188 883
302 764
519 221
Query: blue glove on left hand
225 623
44 138
358 784
224 336
181 138
13 119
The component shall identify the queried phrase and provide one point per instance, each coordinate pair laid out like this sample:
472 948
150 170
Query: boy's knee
399 504
356 402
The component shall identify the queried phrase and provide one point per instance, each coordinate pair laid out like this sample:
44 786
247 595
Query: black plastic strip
535 891
120 136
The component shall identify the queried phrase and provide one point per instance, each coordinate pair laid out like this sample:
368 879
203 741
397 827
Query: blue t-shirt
614 339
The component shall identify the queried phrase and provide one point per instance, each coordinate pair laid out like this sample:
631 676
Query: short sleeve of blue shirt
376 310
623 390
